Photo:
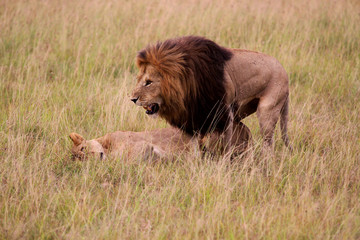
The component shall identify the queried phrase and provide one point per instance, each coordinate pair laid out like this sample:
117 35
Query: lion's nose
134 99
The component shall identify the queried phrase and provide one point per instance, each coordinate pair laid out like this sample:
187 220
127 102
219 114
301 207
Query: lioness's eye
148 82
82 149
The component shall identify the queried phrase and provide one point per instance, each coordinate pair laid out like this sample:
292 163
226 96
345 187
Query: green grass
68 66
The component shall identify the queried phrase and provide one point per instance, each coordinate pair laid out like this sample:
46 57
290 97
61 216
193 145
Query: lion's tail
284 123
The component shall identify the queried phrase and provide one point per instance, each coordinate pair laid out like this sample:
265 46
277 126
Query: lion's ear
76 138
141 58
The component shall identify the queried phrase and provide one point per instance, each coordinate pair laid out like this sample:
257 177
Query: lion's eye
148 82
82 149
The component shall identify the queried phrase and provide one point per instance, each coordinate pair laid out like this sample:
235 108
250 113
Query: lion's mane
192 87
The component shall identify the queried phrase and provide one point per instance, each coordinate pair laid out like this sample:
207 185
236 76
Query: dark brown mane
192 88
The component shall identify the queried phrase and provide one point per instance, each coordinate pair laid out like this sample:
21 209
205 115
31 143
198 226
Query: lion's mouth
152 108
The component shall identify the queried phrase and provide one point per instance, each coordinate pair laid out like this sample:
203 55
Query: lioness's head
82 148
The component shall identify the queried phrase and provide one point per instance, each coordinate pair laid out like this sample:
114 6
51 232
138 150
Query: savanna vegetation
68 66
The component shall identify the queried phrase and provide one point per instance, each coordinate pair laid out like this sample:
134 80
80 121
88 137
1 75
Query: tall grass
69 66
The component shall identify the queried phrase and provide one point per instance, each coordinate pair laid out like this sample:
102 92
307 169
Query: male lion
199 86
156 144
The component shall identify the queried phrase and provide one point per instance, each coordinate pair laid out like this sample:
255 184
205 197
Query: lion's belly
242 109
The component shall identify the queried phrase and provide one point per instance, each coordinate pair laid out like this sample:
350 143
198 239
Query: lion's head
147 92
181 80
83 148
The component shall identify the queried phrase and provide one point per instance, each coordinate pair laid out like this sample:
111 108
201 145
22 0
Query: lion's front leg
229 133
201 142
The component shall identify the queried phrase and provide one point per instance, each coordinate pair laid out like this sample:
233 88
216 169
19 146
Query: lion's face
147 92
83 148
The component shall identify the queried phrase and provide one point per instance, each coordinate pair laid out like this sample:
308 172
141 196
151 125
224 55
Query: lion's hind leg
268 113
283 124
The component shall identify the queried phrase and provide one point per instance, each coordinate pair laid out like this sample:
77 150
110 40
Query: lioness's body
159 143
162 142
146 144
197 85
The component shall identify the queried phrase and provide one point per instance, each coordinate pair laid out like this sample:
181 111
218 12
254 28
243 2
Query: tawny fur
201 86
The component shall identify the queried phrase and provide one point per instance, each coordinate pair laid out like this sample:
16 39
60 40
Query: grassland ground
69 66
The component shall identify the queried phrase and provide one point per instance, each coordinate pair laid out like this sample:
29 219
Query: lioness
199 86
160 143
147 144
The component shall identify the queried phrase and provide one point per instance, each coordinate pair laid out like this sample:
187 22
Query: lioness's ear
76 138
105 141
